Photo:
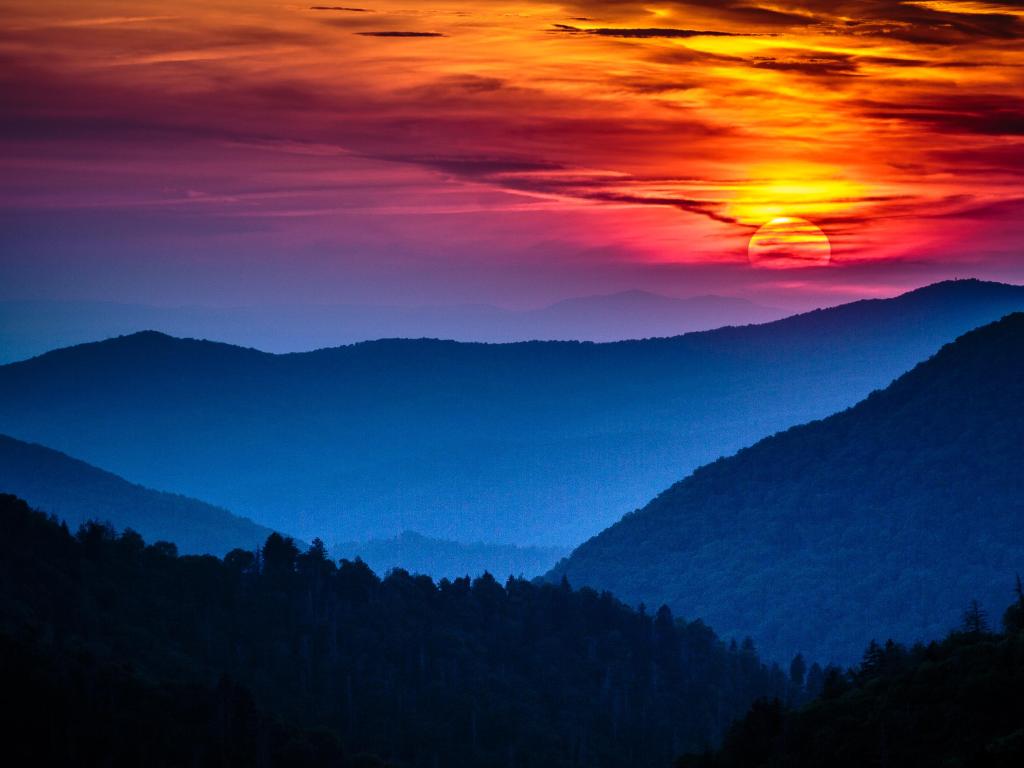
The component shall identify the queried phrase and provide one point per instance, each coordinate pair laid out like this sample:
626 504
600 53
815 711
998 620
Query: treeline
282 657
954 703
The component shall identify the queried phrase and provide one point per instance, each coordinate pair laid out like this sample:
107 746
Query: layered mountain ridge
542 443
888 517
77 492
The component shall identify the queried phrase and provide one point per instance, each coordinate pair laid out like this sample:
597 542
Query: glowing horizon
457 151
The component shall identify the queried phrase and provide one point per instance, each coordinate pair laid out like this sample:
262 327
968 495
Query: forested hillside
458 673
883 519
77 492
68 707
530 444
953 703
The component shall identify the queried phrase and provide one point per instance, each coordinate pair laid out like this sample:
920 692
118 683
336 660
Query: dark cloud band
400 33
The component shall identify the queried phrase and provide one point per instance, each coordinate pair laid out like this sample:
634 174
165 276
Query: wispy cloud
666 33
666 131
400 33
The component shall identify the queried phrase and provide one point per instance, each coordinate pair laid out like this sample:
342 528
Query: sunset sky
230 152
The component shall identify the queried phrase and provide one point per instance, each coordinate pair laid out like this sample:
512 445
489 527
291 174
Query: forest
125 653
951 703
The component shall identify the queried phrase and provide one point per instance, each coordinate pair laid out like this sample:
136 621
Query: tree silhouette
975 619
465 672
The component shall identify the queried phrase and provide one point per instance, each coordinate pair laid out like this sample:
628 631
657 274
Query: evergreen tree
975 619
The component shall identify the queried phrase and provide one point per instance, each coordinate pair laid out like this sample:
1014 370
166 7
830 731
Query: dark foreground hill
458 673
76 492
886 518
954 703
70 708
531 443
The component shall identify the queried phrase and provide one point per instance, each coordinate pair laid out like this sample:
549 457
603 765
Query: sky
244 153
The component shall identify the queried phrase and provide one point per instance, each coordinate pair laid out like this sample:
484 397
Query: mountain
30 328
77 492
542 443
460 673
440 558
887 518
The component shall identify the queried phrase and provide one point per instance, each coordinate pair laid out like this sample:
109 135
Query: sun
787 243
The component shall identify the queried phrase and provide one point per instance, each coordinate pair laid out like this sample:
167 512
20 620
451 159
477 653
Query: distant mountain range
882 521
439 558
30 328
542 443
77 492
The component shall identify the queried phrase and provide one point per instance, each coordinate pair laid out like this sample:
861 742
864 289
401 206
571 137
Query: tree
835 683
873 661
815 681
797 673
1013 618
797 670
279 554
240 561
975 619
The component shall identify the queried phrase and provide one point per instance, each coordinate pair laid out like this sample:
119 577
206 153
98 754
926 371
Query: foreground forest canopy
123 653
954 703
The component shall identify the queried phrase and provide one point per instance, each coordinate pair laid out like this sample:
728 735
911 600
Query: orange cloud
866 117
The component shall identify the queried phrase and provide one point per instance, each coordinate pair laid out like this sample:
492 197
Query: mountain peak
965 286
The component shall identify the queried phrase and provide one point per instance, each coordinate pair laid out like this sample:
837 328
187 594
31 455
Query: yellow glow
788 242
846 119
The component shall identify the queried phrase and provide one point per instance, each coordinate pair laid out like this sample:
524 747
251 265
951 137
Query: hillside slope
531 443
886 518
77 492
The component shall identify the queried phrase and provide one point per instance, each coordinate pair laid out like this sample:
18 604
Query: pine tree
975 619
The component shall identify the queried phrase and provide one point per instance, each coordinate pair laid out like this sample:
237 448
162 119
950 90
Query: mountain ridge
854 517
932 291
29 328
78 492
530 443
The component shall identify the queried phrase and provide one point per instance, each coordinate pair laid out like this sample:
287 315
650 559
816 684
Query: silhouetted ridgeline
532 443
884 519
128 642
29 328
954 703
439 558
76 492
